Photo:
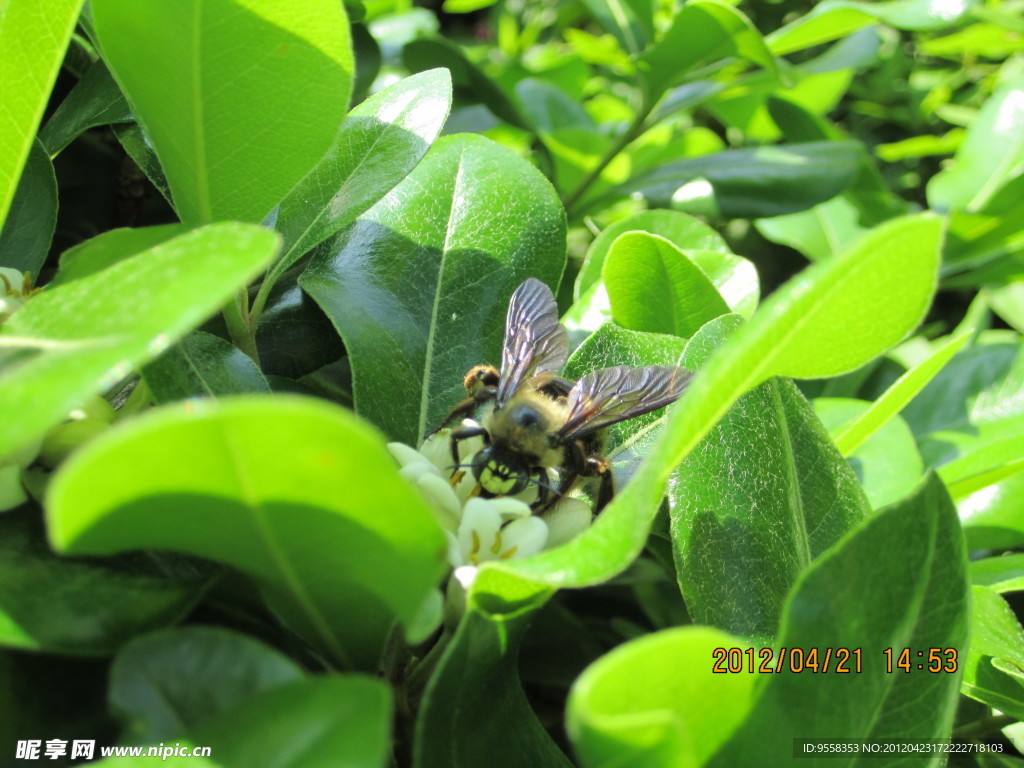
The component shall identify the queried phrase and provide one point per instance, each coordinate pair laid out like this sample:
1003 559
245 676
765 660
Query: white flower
479 530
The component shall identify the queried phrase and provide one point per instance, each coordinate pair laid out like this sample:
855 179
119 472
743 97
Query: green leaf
833 19
319 722
167 683
80 338
33 37
297 493
26 235
887 464
653 286
630 21
1008 303
142 154
986 465
762 495
977 387
832 318
641 704
421 55
474 710
702 31
202 365
81 607
1003 574
896 397
733 276
897 582
991 154
107 249
418 287
379 143
219 122
550 109
294 337
994 666
95 100
754 183
826 229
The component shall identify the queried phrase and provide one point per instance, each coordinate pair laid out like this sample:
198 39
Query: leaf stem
980 728
635 129
243 332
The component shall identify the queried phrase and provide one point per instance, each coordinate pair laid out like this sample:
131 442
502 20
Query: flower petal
412 472
566 520
441 496
405 454
523 537
510 507
478 532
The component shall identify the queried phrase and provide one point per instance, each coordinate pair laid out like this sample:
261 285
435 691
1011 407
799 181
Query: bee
538 420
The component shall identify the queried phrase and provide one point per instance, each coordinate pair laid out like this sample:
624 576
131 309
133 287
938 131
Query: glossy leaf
764 493
991 154
887 464
25 236
33 38
202 365
997 648
702 31
218 126
629 21
733 276
107 249
167 683
754 183
896 397
80 338
833 19
826 229
1004 573
311 723
294 337
995 461
297 493
976 387
418 287
643 704
81 607
897 582
421 55
653 286
474 710
832 318
95 100
378 145
141 152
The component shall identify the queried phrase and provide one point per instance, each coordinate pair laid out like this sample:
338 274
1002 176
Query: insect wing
535 342
611 395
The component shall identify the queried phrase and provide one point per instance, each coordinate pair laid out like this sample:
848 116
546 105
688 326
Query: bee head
496 476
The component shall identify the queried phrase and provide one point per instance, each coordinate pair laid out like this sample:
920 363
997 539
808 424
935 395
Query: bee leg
599 466
544 490
579 464
464 433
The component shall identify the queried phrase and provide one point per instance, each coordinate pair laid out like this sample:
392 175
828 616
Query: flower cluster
485 529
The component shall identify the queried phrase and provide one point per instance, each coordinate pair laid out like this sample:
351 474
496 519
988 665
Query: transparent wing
611 395
535 342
